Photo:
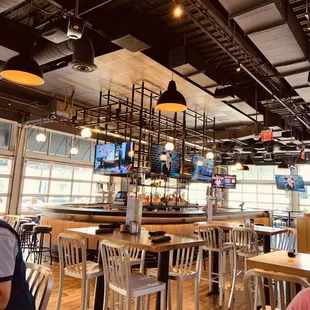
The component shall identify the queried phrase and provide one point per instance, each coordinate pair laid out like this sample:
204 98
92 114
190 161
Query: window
60 145
258 190
5 182
33 145
5 135
198 193
58 183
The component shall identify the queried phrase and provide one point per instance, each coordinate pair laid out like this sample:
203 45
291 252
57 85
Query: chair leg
112 300
234 281
169 294
197 292
87 294
121 302
60 290
163 305
128 304
137 303
179 295
220 273
210 271
83 295
148 302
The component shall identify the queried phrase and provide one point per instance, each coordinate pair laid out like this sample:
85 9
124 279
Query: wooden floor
71 295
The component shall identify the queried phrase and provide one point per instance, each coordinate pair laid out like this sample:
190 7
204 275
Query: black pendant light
171 100
23 69
244 168
283 165
249 161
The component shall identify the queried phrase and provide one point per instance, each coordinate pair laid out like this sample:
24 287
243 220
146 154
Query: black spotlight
83 55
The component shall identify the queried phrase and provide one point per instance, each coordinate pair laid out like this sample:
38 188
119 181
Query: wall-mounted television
202 168
165 162
114 159
225 181
290 183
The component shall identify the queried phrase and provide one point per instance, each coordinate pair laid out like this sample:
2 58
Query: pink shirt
301 301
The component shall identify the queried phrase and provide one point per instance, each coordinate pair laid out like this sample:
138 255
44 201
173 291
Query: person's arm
8 250
5 293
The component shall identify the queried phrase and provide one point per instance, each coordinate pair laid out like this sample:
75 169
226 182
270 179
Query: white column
17 175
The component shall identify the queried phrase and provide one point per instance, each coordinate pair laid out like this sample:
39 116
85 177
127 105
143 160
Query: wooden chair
73 263
181 271
277 288
13 220
119 279
285 241
40 280
213 236
245 244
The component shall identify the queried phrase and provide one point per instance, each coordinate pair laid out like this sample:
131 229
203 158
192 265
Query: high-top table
265 231
280 262
141 241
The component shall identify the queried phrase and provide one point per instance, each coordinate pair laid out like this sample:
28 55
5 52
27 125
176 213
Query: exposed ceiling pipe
237 62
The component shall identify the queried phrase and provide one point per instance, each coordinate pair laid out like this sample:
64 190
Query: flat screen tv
114 158
165 162
224 181
290 183
202 168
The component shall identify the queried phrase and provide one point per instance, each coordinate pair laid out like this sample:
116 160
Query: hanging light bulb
74 150
86 133
41 137
163 156
169 146
177 12
238 165
210 155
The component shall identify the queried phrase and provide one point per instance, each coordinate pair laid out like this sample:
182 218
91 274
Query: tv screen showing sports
224 181
165 162
202 168
114 158
290 183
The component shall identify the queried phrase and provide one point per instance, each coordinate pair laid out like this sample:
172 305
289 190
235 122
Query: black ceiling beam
182 55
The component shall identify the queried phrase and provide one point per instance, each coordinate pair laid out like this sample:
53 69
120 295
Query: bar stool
182 270
37 243
245 243
73 263
213 236
26 235
117 268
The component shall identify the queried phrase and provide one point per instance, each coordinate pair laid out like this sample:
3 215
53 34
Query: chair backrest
245 241
212 235
40 280
116 265
13 220
276 287
182 260
72 253
285 241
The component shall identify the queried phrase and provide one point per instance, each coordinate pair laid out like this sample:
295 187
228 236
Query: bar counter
63 217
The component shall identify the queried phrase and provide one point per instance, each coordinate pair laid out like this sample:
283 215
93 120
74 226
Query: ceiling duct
83 55
224 91
275 30
8 4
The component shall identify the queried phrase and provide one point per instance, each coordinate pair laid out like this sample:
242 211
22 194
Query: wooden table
141 241
279 262
265 231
